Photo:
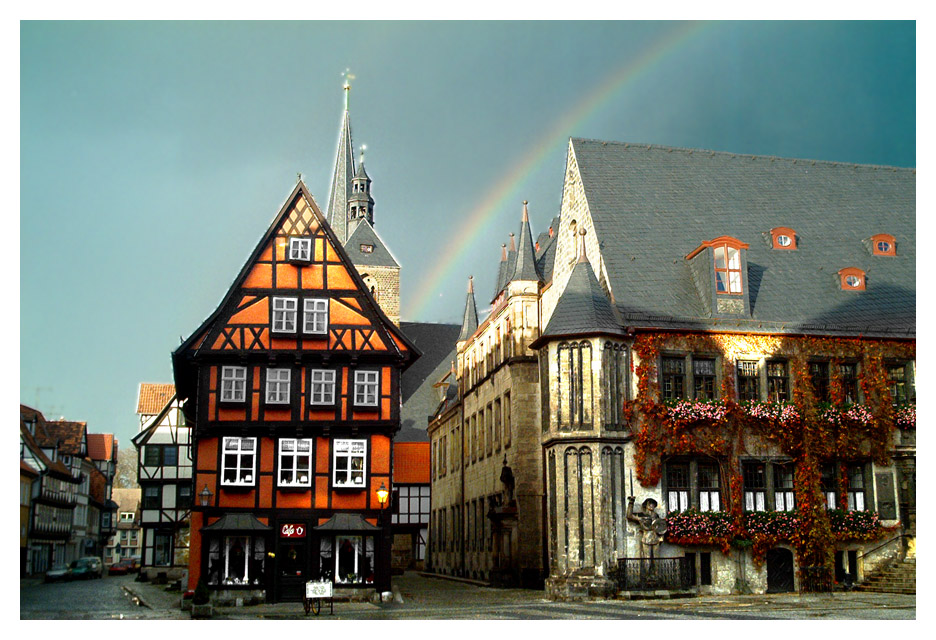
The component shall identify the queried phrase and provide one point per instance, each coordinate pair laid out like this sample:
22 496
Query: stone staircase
898 577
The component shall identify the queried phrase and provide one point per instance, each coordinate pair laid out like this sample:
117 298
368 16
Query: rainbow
505 190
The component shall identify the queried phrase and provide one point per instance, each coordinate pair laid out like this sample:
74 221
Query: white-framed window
349 462
323 387
315 315
365 388
238 461
284 314
295 462
126 516
233 384
300 249
277 386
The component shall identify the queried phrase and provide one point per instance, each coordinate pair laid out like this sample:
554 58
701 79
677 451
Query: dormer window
852 279
883 244
300 249
367 248
727 269
783 238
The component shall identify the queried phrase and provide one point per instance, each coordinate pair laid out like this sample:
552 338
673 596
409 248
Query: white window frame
354 473
233 384
245 477
277 386
288 458
322 392
285 311
300 249
315 316
366 388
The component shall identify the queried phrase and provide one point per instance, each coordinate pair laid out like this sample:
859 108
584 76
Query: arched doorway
779 570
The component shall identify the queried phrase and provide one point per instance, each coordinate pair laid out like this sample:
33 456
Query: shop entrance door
291 570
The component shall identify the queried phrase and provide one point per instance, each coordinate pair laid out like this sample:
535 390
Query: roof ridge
733 154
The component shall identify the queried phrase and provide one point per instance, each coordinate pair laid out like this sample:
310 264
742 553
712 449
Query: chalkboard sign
322 589
887 503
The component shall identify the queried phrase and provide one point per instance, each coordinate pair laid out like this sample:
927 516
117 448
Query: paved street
101 599
428 598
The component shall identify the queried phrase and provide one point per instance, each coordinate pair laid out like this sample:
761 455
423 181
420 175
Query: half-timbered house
164 474
292 387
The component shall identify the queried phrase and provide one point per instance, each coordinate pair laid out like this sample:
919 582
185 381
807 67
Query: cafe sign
293 531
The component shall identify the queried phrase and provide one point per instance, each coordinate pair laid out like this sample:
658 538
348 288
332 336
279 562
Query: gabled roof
389 333
70 436
101 447
143 436
411 463
153 396
364 234
419 395
652 205
56 468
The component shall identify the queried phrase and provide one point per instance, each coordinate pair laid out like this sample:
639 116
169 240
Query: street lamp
205 496
382 496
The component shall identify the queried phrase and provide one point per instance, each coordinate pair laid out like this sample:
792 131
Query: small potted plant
200 601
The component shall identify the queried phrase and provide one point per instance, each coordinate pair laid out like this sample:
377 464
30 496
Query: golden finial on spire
363 149
348 77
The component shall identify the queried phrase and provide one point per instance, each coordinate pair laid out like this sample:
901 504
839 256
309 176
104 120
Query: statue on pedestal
650 525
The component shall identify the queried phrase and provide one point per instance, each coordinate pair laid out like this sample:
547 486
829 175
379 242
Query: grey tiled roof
583 308
653 205
364 234
420 398
337 211
546 255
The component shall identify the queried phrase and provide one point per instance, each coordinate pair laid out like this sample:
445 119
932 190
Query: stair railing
865 554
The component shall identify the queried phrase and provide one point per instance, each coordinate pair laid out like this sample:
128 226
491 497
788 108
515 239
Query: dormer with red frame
783 238
851 279
719 270
293 388
883 244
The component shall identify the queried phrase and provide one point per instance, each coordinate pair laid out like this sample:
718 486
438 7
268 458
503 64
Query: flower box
782 413
693 411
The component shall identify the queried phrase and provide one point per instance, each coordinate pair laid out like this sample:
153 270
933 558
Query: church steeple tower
337 211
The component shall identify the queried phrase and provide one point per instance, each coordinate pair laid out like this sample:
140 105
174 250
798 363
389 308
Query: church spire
337 211
470 321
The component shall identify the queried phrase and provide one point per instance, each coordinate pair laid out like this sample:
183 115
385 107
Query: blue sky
154 155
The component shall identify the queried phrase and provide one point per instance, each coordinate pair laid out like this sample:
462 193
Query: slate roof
237 522
546 254
347 522
653 205
337 211
470 317
153 397
411 462
525 263
582 309
364 233
419 396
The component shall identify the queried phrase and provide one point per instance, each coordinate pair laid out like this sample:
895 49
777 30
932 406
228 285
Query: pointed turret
583 307
501 272
525 267
337 211
470 321
360 202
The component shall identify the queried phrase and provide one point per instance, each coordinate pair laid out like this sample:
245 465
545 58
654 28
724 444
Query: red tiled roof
27 468
101 446
411 462
154 396
70 435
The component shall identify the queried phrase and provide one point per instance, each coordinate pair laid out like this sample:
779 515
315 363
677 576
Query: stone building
731 337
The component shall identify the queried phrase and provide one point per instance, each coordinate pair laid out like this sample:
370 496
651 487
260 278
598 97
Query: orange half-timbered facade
293 387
